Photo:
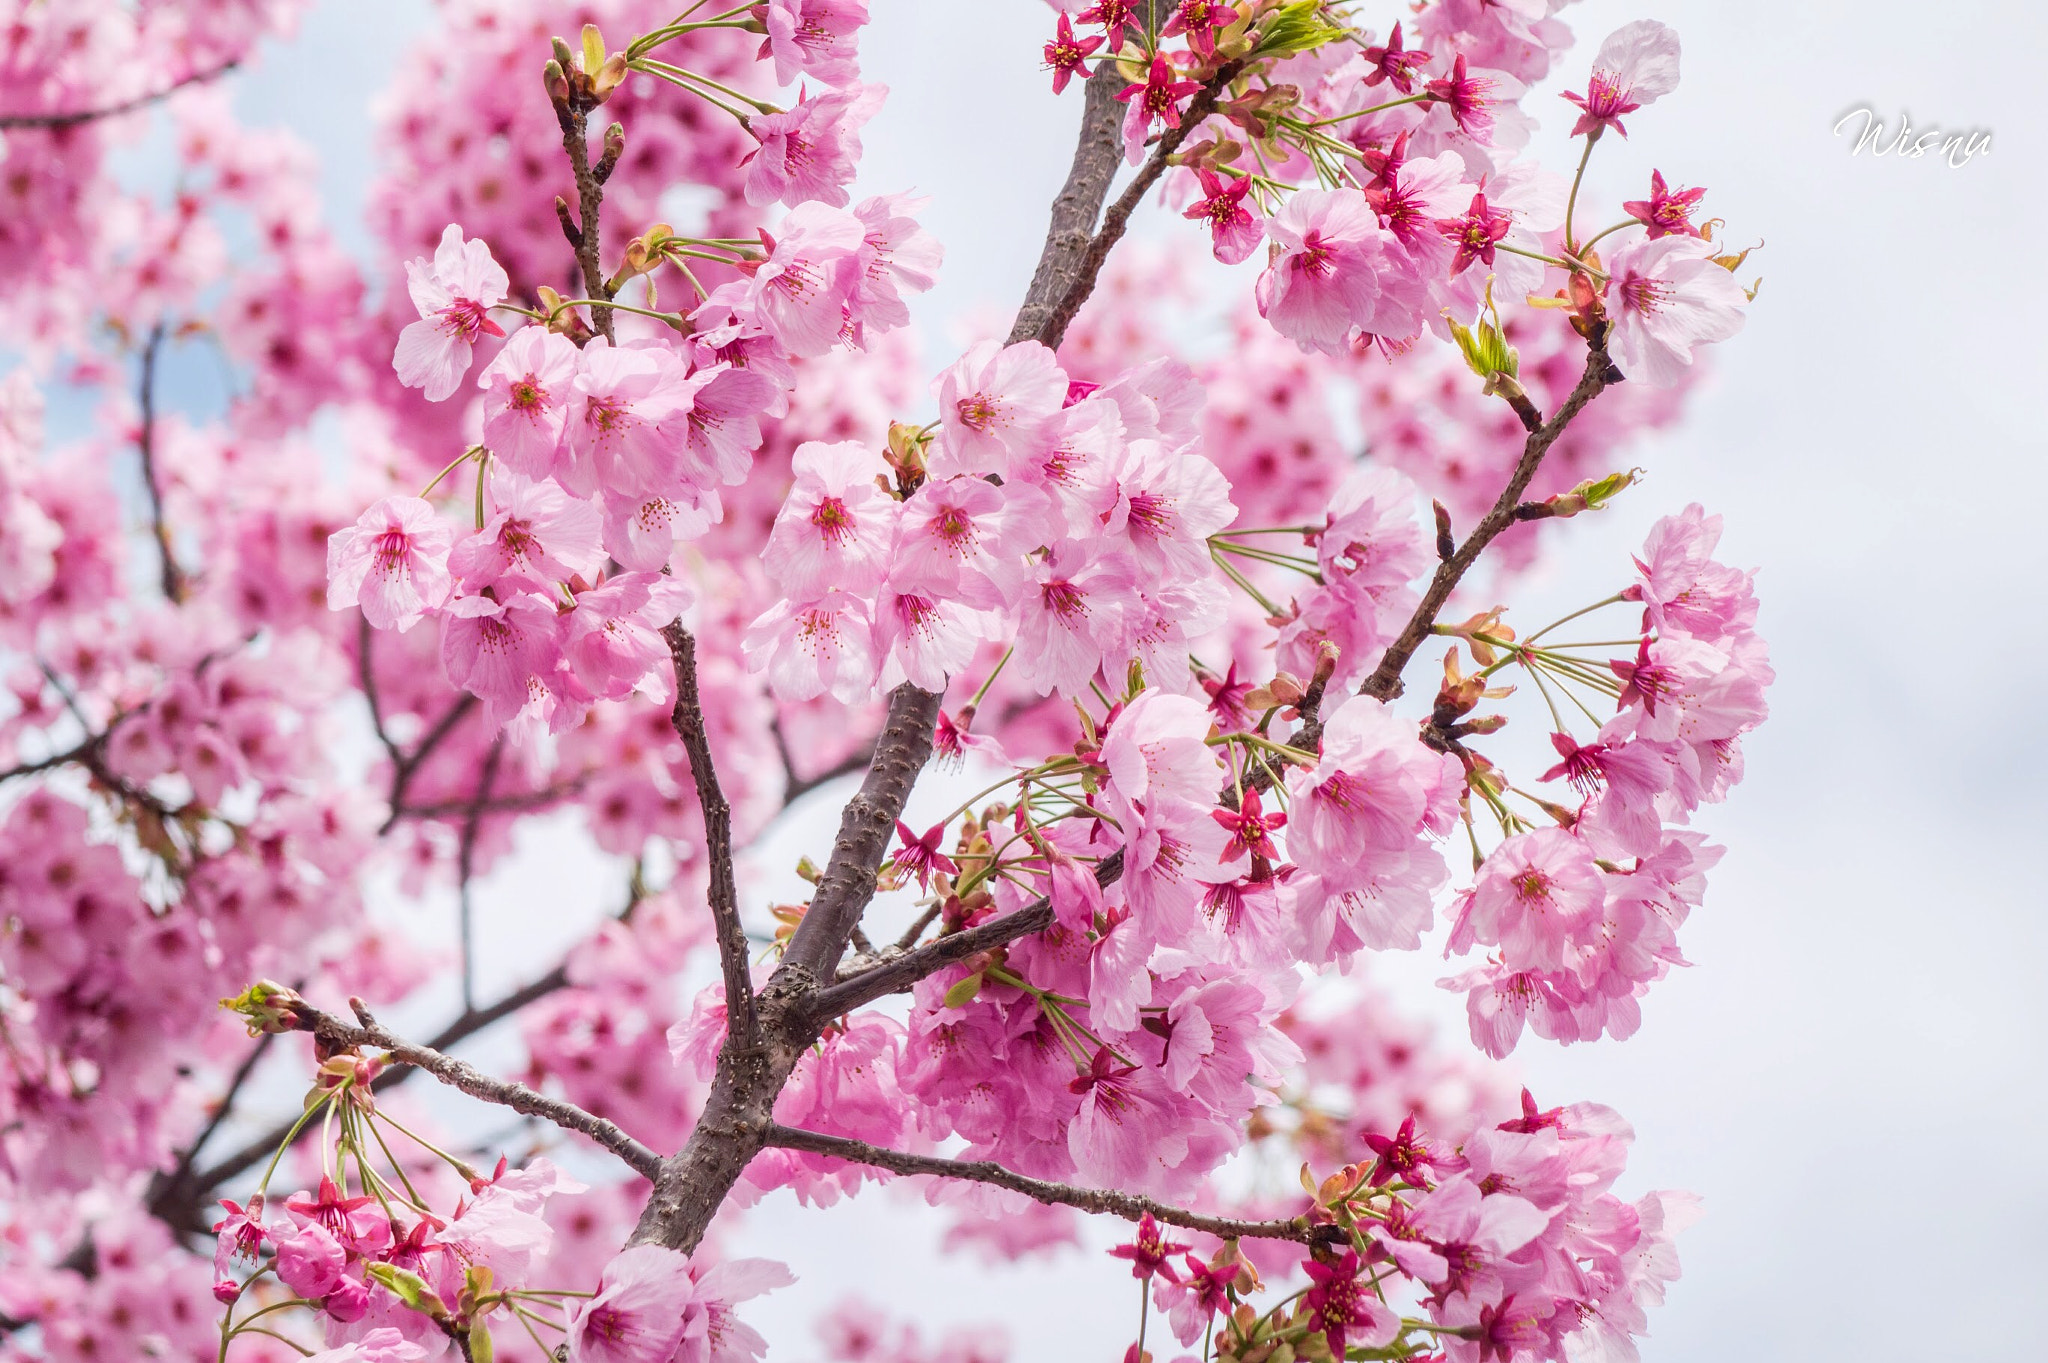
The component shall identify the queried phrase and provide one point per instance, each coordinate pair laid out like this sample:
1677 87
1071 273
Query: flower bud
410 1289
556 79
268 1007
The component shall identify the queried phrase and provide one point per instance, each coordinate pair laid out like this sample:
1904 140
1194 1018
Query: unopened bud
556 79
267 1006
410 1289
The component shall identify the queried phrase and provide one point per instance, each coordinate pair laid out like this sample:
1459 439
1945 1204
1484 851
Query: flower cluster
658 464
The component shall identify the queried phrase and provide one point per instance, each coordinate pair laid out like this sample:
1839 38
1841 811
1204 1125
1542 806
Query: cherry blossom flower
799 294
897 256
1636 65
1155 99
836 527
818 38
1234 233
392 562
493 649
1167 505
1066 55
1394 63
1667 298
815 647
538 535
1325 276
528 391
1198 21
811 152
995 405
1071 616
637 1314
454 297
1344 1308
1665 213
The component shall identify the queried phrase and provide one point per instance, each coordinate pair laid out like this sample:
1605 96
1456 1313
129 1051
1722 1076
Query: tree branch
1097 154
897 975
743 1024
170 576
865 829
178 1206
1100 1201
126 106
575 120
1385 681
406 768
461 1075
1052 328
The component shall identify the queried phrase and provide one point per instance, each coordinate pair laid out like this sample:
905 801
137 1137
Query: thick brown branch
1385 681
463 1076
1053 328
1100 1201
743 1024
126 106
865 829
1097 154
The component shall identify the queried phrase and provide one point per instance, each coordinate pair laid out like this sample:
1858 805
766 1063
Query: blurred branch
126 106
170 576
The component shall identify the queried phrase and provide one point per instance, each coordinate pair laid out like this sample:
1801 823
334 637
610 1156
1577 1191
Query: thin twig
170 576
461 1075
182 1213
743 1023
1100 1201
126 106
406 768
1385 681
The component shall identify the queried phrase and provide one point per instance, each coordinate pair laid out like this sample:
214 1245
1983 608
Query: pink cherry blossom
1071 613
1155 99
454 297
996 404
815 647
528 391
836 527
1668 297
810 152
1167 505
392 562
1233 232
1636 65
539 535
1331 265
818 38
637 1314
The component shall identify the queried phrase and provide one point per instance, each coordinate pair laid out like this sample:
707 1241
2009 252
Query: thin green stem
1571 202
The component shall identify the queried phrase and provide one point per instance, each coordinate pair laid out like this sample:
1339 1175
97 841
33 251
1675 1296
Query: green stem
1571 202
